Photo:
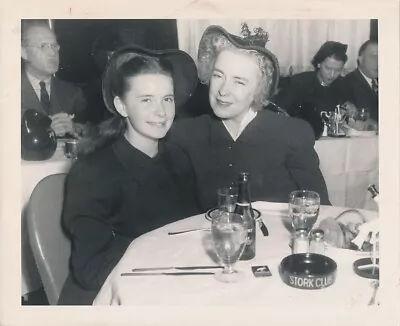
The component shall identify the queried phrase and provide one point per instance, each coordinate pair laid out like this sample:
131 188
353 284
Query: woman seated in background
308 93
127 181
277 151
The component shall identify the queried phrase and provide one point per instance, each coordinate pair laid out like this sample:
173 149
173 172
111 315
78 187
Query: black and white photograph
205 162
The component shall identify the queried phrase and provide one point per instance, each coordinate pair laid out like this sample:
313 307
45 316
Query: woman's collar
247 118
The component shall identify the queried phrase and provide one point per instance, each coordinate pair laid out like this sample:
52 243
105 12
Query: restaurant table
157 248
349 166
32 172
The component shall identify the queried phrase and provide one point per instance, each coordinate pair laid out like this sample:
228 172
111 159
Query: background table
32 172
349 166
157 248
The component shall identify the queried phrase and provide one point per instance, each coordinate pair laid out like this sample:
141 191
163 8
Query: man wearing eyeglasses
63 102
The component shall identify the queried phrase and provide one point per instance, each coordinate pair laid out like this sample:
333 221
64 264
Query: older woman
128 182
306 94
276 150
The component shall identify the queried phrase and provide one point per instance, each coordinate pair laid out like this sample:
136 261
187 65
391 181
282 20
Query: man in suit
63 102
362 83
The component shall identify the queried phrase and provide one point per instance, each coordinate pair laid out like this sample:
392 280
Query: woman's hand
350 109
369 125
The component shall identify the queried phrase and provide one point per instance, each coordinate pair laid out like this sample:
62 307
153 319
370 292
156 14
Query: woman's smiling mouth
223 103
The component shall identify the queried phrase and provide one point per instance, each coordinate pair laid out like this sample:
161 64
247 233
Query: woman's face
233 84
149 106
329 70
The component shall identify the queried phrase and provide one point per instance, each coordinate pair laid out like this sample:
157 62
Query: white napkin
364 229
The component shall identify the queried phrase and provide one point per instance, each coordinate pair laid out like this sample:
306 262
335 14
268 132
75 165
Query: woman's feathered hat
209 50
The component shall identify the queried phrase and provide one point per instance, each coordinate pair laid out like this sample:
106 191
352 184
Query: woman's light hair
217 43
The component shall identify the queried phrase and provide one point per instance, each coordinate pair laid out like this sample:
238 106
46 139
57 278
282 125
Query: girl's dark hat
183 66
208 50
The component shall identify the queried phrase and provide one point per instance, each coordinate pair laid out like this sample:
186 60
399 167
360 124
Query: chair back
50 246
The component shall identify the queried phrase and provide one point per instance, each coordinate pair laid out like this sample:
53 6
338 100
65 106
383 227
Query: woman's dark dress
306 88
112 197
303 96
276 150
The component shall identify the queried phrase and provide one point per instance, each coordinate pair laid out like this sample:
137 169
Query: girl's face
329 70
149 106
233 84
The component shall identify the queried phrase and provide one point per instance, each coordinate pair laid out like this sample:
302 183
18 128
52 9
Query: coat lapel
29 99
365 84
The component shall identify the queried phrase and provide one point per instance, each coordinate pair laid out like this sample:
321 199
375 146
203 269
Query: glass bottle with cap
374 193
243 208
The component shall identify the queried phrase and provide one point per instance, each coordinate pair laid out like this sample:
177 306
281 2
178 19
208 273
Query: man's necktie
44 97
374 85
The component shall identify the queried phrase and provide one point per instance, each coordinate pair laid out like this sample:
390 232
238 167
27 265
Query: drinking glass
71 149
303 209
229 235
362 114
227 198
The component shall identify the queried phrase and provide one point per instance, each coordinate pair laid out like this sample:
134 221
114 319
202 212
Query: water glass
303 209
229 235
71 149
227 199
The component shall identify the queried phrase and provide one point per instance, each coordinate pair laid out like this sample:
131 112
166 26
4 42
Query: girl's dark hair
118 73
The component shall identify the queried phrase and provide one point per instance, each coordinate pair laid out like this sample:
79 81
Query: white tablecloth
157 248
31 173
349 166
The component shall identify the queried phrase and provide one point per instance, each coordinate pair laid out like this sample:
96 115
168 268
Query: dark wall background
77 36
374 29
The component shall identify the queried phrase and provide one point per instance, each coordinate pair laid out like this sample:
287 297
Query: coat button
230 165
230 147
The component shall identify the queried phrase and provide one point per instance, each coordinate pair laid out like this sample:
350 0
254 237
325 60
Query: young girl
127 181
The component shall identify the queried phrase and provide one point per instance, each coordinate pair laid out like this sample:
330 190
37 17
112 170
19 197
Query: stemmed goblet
229 235
303 209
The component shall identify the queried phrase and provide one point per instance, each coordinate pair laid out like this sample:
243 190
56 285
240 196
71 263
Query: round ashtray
364 267
211 213
308 271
